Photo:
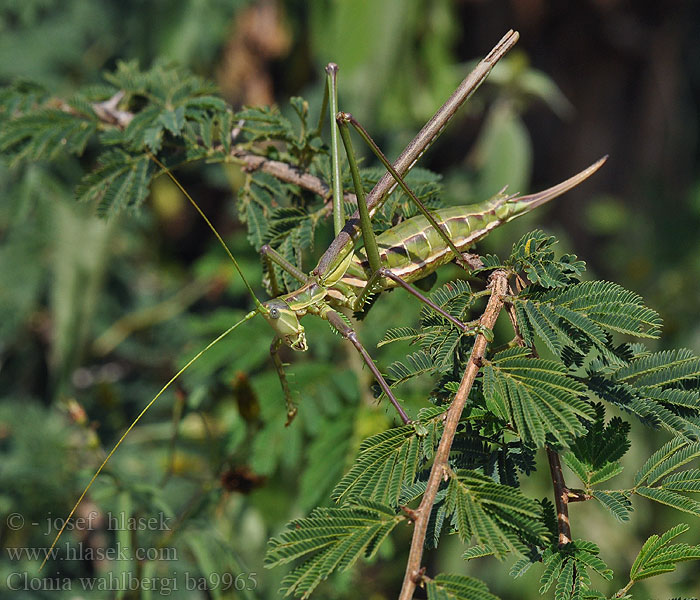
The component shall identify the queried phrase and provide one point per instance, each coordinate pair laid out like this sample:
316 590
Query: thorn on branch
236 131
108 111
446 473
418 576
472 260
578 495
410 513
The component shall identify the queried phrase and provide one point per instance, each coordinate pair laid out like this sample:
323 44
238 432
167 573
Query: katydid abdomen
413 249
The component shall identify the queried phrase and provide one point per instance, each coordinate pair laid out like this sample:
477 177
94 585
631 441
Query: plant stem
499 287
561 497
288 173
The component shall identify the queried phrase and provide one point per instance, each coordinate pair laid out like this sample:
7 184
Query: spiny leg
350 334
343 119
279 367
386 273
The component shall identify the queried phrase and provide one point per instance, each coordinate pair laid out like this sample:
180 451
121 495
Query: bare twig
561 497
288 173
413 576
510 309
109 112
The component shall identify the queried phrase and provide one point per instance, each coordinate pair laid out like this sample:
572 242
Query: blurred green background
97 315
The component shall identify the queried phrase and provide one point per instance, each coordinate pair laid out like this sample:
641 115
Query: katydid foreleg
271 257
279 367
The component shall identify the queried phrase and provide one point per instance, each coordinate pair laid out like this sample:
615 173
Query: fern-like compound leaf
616 502
387 461
497 516
457 587
399 334
657 556
120 182
594 456
569 566
46 133
329 539
534 254
536 396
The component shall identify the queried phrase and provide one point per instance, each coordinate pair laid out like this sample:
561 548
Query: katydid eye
274 313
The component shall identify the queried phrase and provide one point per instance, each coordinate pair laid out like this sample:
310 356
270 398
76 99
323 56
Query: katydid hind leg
332 92
351 335
374 285
368 237
348 118
425 300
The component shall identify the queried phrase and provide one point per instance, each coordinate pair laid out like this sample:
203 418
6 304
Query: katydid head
285 322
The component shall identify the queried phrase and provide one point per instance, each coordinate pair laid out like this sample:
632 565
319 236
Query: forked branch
413 575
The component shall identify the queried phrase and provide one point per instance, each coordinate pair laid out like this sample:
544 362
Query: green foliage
45 134
657 387
176 103
536 396
265 123
119 182
657 556
618 503
534 254
569 567
457 587
657 481
570 350
594 457
330 539
387 462
579 318
498 516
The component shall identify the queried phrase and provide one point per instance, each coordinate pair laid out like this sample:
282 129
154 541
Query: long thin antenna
249 316
168 172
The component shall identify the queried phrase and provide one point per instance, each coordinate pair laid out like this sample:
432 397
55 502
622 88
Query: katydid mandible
410 251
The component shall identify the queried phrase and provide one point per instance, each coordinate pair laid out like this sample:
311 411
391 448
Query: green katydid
410 251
